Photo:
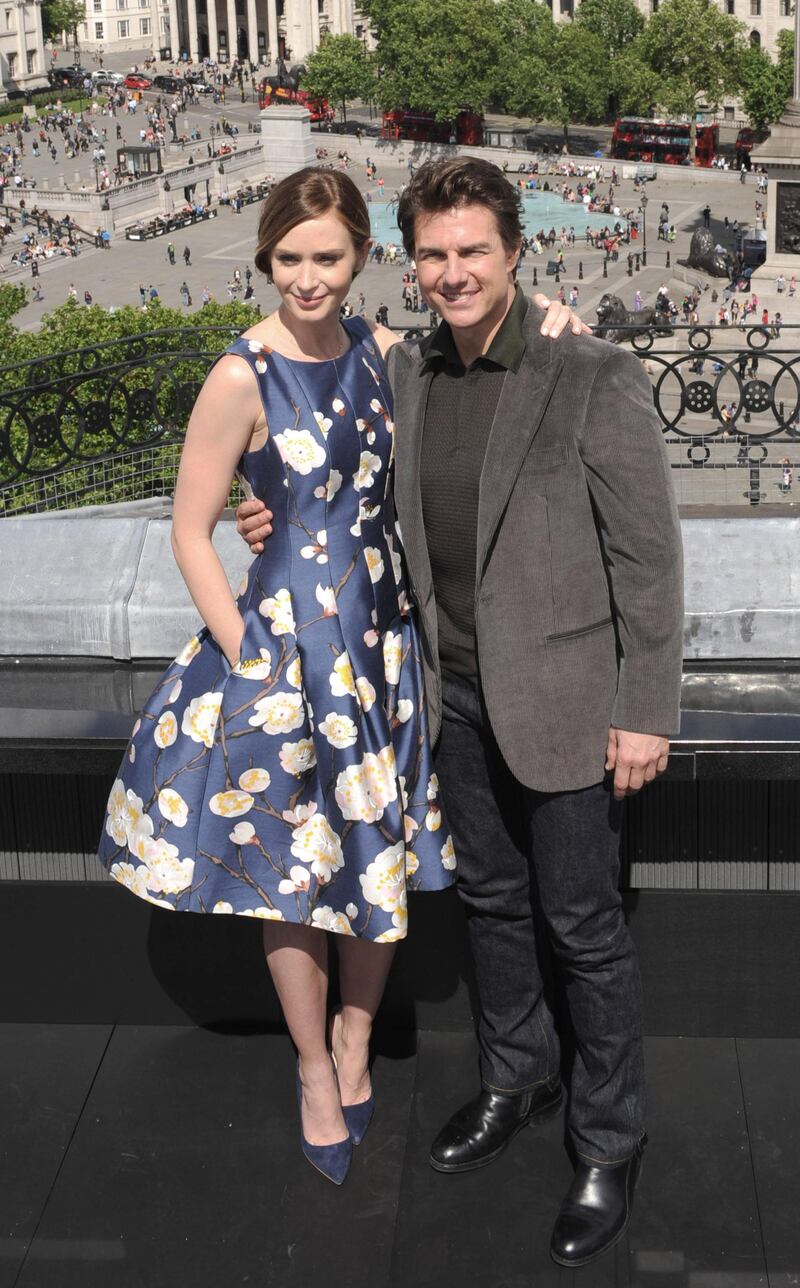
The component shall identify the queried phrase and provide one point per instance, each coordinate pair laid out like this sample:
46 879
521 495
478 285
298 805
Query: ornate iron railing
106 422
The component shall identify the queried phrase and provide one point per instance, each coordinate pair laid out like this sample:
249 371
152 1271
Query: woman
281 768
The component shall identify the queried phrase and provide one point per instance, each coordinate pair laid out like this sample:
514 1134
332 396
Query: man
543 551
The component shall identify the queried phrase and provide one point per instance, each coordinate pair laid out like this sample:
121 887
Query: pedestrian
185 294
72 293
787 477
376 720
248 275
152 293
707 216
637 302
187 256
532 707
171 252
142 293
87 297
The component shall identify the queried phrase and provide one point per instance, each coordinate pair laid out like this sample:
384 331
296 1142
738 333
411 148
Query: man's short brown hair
309 194
460 181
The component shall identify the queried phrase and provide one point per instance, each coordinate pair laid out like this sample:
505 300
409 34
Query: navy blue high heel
333 1161
357 1117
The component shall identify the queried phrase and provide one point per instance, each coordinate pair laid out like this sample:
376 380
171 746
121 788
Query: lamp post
643 204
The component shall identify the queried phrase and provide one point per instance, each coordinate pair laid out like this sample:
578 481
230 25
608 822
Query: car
135 80
68 75
102 77
199 85
170 84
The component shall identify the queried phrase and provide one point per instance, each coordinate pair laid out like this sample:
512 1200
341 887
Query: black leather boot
479 1131
596 1212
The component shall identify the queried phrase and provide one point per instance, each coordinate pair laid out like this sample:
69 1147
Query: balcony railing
106 422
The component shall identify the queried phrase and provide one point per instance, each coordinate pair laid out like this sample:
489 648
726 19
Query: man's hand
254 523
636 759
558 317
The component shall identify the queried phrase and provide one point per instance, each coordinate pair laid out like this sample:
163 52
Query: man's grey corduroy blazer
579 577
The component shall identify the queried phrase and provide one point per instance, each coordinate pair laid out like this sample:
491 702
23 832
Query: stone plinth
286 139
780 155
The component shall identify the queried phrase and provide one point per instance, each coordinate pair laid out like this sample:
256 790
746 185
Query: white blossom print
296 784
300 450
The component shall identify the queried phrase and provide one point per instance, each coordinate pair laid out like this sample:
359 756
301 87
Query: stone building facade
23 64
258 30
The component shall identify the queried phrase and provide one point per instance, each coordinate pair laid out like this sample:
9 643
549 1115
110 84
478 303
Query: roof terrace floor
159 1156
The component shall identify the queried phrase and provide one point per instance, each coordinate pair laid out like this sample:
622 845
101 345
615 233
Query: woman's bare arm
219 430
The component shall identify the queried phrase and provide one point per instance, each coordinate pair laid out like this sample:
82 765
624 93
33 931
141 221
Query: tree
696 51
566 78
437 56
339 70
616 23
760 91
62 15
785 43
635 87
528 34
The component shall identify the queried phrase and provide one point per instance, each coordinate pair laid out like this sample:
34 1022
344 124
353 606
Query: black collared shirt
458 418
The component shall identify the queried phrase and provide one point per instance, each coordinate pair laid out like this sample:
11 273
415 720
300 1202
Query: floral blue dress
297 785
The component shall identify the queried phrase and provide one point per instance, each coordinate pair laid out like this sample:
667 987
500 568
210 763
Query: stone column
191 12
174 33
272 31
22 49
155 27
213 36
252 32
232 40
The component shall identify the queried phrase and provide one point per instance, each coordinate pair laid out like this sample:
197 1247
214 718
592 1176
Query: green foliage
616 23
61 15
11 111
92 395
564 76
12 299
785 43
529 36
696 51
762 94
339 70
636 88
437 56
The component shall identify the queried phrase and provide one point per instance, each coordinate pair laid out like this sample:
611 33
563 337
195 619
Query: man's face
463 268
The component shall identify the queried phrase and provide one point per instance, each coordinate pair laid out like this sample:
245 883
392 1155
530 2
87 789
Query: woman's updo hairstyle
309 194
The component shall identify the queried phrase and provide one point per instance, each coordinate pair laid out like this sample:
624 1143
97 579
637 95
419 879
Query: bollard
668 264
580 270
558 278
644 259
637 261
630 266
754 491
535 276
605 266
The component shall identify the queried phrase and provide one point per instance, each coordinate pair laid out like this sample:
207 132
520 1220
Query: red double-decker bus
420 127
636 138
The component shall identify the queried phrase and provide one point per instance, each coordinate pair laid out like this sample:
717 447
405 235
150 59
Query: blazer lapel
411 381
520 409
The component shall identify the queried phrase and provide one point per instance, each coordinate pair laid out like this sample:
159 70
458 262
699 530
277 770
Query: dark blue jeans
526 856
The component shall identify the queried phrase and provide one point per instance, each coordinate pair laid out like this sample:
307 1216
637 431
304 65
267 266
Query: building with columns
22 58
258 30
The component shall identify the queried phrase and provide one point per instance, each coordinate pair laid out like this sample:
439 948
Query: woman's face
313 267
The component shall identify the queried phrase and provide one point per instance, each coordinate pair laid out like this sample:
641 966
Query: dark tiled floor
158 1156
